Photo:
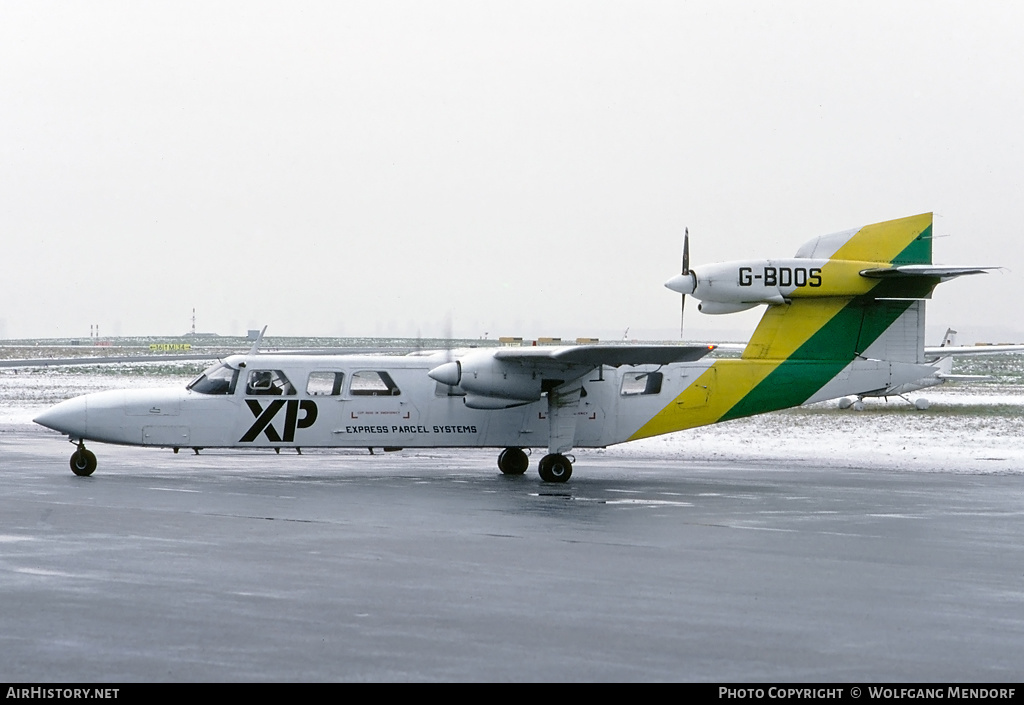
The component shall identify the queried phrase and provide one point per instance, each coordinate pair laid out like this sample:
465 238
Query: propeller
450 371
686 282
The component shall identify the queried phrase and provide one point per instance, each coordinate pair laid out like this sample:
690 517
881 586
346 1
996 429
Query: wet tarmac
431 566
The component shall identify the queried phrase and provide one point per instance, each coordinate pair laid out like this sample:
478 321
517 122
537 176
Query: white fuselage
358 401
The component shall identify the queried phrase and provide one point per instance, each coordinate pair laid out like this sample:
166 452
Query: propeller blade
682 310
686 252
685 271
448 342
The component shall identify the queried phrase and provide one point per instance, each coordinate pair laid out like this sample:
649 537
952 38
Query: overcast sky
509 168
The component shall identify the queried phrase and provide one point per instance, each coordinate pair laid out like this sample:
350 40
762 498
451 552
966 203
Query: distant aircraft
845 315
941 357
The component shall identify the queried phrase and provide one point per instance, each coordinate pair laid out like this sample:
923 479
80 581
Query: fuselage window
268 382
322 383
371 383
634 383
218 379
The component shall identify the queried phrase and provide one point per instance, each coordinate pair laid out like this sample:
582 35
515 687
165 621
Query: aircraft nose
68 417
683 283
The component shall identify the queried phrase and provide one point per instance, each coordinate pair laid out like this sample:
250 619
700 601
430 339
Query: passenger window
322 384
643 383
268 382
370 383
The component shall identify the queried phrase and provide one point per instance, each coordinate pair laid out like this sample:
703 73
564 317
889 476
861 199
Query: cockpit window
218 379
268 382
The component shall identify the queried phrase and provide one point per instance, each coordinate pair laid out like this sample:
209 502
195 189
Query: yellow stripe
705 401
839 278
882 242
783 329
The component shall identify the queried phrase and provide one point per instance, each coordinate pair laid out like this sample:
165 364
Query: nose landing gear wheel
555 468
83 462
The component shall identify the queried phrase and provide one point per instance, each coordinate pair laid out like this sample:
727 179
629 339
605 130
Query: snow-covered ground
968 429
961 433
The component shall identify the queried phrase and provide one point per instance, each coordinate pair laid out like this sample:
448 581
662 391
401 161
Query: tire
83 462
513 461
555 468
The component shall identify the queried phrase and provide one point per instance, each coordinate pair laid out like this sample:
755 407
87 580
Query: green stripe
919 251
822 357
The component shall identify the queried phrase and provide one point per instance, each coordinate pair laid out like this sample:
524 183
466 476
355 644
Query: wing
499 378
610 355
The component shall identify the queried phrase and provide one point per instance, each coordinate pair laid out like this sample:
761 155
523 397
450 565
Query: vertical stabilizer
843 333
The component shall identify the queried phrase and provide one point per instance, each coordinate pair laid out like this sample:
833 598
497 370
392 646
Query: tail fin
828 343
832 332
897 242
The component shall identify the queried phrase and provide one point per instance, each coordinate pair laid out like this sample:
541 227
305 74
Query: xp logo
291 419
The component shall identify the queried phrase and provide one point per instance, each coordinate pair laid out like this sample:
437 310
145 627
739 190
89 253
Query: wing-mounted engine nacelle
474 401
490 383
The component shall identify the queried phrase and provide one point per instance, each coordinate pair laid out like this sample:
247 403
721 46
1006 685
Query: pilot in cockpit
262 382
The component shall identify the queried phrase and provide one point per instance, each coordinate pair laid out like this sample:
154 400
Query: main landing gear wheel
513 461
555 468
83 462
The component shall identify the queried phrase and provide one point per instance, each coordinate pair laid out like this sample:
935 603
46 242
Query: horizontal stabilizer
909 271
947 350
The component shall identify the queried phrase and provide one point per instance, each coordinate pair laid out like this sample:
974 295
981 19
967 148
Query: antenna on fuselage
255 349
